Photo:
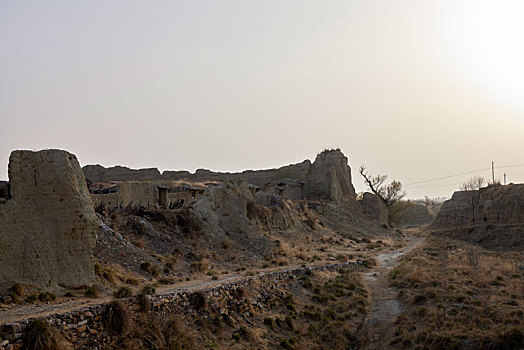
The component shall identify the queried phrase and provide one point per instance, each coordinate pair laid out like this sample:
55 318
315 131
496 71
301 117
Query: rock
49 224
374 208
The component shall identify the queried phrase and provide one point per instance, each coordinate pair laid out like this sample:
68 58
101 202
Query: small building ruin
144 194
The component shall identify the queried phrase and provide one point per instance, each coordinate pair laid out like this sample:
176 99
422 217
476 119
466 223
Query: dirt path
384 298
377 328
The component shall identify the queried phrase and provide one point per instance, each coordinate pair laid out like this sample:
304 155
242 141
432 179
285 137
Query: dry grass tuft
40 335
116 317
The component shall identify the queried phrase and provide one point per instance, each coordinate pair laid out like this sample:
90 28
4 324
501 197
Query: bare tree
475 183
472 186
388 193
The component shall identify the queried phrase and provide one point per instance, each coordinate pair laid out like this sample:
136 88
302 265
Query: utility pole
504 178
493 171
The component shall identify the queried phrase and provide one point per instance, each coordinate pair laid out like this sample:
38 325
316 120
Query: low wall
85 330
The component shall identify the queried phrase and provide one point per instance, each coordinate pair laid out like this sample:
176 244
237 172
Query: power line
466 173
446 177
448 185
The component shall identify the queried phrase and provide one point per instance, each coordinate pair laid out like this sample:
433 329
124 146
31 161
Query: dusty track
385 305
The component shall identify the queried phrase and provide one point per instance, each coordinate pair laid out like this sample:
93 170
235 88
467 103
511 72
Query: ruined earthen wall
492 217
328 178
416 215
490 205
97 173
129 193
48 228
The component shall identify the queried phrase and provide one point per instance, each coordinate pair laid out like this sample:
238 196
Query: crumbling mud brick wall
48 226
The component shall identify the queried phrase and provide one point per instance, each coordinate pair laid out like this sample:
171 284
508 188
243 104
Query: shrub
91 292
116 317
17 289
148 289
268 321
419 298
46 296
254 210
243 333
144 302
146 266
40 335
201 265
177 337
291 323
132 281
31 298
166 280
123 292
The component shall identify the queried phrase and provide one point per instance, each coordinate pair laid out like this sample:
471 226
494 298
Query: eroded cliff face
48 227
492 217
327 178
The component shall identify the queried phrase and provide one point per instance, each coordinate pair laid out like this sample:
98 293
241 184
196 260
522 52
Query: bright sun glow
487 39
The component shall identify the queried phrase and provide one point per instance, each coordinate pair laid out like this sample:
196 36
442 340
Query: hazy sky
415 89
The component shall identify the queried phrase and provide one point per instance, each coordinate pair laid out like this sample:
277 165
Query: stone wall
85 330
48 227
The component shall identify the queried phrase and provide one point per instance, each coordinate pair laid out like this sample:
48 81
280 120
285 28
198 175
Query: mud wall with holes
48 226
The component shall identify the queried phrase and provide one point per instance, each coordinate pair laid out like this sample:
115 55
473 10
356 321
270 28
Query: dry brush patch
460 294
313 310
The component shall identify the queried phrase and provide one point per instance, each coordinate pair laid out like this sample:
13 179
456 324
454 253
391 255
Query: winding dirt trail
377 328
